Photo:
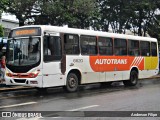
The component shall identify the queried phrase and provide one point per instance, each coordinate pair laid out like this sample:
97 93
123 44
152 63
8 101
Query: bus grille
20 80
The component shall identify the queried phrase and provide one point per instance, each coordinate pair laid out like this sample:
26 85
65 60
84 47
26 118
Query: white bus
47 56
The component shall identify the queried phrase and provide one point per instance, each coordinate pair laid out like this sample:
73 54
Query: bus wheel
72 82
133 79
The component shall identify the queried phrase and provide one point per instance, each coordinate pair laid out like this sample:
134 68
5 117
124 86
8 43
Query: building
8 25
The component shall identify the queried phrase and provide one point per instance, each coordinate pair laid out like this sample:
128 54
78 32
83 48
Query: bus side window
52 48
145 48
105 46
47 50
84 49
88 45
120 47
71 44
153 48
133 47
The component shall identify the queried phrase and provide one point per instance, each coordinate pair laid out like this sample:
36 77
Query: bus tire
71 83
133 79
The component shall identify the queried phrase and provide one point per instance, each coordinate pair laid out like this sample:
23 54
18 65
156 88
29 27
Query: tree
154 28
22 9
144 14
74 13
114 14
120 15
3 4
1 31
81 11
50 12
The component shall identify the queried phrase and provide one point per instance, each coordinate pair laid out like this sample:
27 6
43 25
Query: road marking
72 110
82 108
15 105
13 97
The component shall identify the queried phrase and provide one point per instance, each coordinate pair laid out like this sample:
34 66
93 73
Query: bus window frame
106 38
50 58
134 48
143 49
78 45
96 46
156 49
126 47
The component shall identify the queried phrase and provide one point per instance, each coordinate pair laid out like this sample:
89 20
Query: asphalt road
92 101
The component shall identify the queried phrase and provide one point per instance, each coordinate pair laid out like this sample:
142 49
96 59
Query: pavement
4 87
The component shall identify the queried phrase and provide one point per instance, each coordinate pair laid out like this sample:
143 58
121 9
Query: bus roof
50 29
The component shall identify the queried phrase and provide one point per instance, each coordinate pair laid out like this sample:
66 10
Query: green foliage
1 31
121 15
74 13
2 6
79 13
22 9
154 28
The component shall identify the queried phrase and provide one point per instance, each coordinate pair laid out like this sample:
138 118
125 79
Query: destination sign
25 32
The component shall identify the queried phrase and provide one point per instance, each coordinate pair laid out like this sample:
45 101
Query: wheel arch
133 79
78 73
135 69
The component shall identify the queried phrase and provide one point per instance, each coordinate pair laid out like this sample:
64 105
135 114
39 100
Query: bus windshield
23 51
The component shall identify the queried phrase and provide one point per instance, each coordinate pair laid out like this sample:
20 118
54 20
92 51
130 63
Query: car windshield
23 51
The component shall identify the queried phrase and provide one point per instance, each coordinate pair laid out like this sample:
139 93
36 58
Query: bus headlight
34 74
8 74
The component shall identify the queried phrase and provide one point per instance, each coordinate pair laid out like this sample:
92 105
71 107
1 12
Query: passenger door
52 54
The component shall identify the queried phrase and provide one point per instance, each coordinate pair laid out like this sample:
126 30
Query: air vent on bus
20 80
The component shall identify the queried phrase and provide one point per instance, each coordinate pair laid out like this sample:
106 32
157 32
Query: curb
13 88
158 76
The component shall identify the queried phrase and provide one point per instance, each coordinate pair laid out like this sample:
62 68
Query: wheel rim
72 82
